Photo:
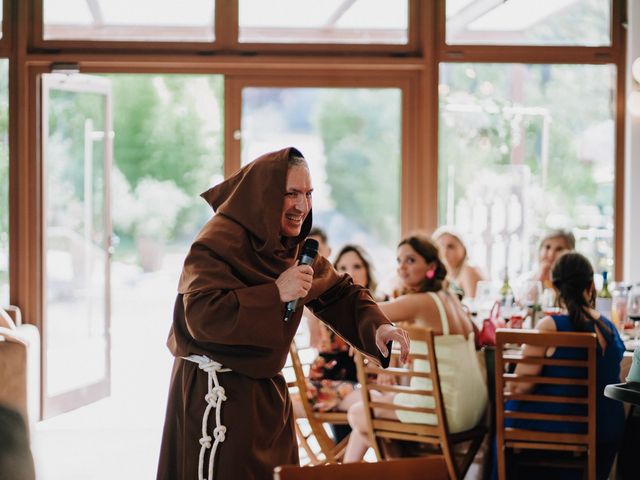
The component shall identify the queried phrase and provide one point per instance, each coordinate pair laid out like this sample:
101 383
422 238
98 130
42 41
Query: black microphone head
310 248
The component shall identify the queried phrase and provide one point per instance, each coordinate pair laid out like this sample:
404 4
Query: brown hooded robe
228 308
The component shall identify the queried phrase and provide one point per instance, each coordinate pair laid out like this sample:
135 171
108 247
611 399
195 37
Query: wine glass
486 295
531 299
531 293
633 312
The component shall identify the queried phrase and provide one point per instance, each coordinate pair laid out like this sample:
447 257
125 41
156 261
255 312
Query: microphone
307 255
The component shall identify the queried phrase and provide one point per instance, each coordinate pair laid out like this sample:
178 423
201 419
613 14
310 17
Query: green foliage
159 132
360 130
478 140
510 114
167 135
163 134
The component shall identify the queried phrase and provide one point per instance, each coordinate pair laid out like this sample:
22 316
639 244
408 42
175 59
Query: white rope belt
214 398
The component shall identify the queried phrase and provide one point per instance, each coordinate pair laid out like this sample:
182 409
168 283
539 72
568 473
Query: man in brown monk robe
229 414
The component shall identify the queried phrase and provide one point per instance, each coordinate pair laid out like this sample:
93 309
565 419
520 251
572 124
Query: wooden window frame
416 66
7 29
226 38
408 83
412 47
37 43
534 53
27 277
615 55
537 51
420 162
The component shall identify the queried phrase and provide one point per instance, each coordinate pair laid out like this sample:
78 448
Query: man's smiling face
297 201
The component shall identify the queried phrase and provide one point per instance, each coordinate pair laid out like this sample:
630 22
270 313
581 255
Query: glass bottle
604 291
506 293
603 298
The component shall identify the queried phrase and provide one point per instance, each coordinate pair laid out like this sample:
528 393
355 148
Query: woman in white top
426 301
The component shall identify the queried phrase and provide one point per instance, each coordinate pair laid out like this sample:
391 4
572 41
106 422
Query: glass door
76 159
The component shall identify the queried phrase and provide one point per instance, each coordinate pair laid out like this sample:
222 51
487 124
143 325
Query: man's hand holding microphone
295 282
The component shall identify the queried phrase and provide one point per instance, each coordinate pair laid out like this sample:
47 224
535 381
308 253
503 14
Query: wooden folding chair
329 450
433 468
438 436
514 440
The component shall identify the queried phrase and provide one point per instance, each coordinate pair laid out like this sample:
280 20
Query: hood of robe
244 234
253 197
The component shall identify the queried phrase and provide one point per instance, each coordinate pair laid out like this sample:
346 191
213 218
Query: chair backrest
433 468
509 352
428 393
331 451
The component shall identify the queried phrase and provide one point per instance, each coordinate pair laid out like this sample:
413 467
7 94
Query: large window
328 21
137 20
526 22
4 182
525 149
352 140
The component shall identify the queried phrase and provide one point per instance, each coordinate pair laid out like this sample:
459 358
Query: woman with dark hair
355 261
332 376
572 277
427 302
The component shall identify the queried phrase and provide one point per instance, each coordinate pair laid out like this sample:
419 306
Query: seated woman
551 247
332 377
426 301
572 276
461 274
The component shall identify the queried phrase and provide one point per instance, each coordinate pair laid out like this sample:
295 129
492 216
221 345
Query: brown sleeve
350 311
236 317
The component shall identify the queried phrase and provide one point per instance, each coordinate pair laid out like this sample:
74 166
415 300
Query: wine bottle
604 297
604 291
506 293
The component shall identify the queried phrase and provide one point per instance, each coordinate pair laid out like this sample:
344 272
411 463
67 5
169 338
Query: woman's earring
430 273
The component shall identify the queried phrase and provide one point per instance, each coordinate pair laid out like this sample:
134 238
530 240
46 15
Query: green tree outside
360 130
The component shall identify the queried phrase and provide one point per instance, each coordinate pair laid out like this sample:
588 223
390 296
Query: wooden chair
329 450
438 436
433 468
515 440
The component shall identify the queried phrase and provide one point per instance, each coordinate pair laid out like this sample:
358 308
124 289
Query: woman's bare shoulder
547 324
472 273
408 307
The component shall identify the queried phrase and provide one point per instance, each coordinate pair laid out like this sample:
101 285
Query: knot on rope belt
214 398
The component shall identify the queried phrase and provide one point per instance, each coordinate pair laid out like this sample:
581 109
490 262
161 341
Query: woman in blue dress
572 277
